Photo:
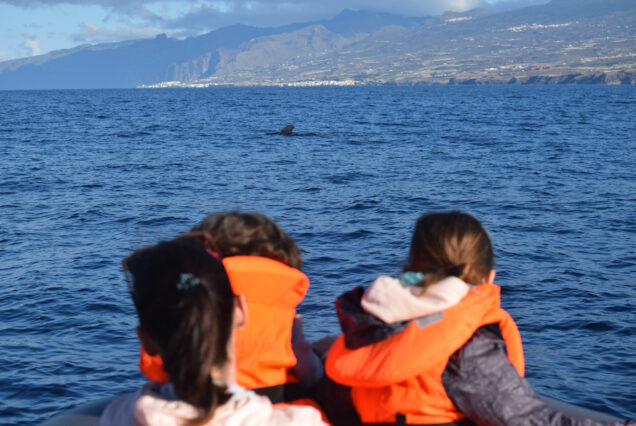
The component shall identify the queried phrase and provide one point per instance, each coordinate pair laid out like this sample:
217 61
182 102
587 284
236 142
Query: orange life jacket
402 375
263 347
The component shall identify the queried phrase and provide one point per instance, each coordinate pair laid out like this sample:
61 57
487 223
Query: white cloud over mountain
128 19
89 32
282 8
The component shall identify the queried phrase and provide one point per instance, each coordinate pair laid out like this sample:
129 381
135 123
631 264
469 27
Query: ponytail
185 303
192 350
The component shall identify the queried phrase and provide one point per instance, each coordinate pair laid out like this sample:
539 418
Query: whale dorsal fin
287 130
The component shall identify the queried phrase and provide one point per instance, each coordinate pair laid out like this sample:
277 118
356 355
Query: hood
387 307
359 327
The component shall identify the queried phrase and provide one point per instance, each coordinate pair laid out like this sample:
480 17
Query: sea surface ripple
88 176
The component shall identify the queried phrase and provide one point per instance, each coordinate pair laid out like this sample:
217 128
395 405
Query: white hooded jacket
155 404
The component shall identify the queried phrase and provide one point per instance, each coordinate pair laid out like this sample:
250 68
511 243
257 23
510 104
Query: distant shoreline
596 78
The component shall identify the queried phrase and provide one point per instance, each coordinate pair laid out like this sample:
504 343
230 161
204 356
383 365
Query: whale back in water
287 130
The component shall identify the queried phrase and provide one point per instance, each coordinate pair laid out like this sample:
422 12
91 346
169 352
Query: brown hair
185 304
251 234
450 244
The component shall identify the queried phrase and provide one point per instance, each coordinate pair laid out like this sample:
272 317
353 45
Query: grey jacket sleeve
485 386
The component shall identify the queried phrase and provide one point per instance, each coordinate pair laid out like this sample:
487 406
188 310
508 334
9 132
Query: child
263 264
434 346
187 314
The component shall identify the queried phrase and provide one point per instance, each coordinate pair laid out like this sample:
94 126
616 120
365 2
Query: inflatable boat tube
579 412
83 415
88 414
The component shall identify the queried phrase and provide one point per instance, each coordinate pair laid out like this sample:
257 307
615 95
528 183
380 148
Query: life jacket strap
400 420
287 392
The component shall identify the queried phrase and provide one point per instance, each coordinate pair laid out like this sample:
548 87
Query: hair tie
411 278
214 253
208 242
187 280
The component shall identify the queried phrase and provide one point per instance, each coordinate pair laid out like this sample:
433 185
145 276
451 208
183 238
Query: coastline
525 78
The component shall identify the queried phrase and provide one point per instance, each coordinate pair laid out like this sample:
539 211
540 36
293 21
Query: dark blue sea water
88 176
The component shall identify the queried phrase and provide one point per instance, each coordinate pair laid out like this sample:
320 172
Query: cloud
34 45
146 18
515 4
30 46
132 8
116 4
204 15
133 19
285 8
210 14
90 33
4 56
262 13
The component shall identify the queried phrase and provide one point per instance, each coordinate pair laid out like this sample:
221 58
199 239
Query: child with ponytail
434 346
264 264
187 315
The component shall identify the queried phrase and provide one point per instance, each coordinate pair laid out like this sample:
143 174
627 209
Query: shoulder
154 403
120 411
296 414
484 351
247 408
485 340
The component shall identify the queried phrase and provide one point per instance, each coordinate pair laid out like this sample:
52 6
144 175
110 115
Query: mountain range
564 41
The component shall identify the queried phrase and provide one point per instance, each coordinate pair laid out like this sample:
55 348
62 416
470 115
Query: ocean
88 176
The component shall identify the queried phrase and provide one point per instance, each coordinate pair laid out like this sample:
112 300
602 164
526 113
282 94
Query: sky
35 27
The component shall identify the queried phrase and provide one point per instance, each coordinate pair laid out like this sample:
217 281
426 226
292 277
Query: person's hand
298 335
